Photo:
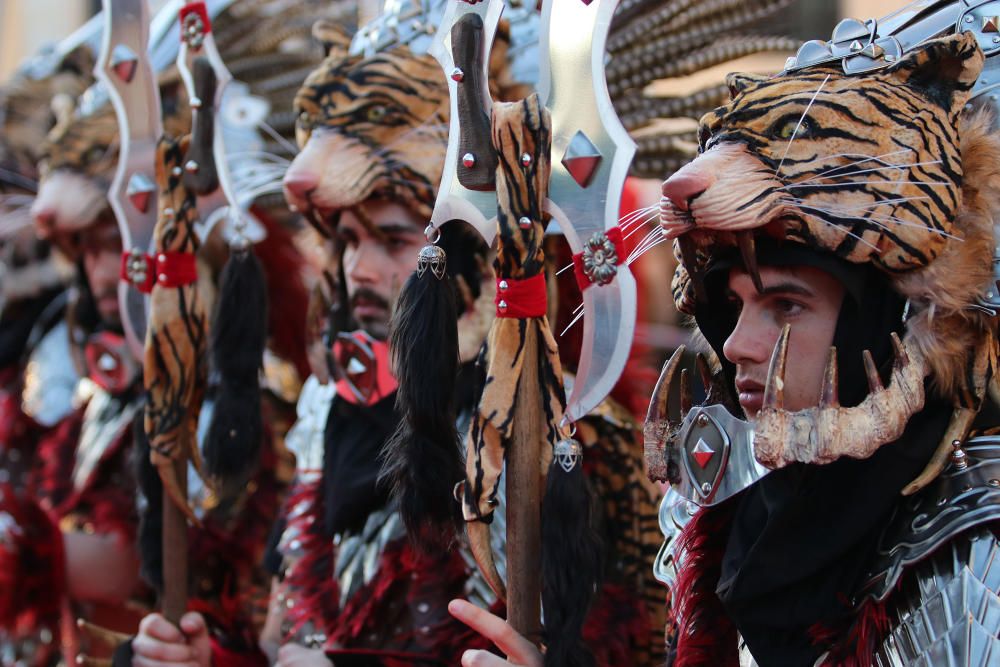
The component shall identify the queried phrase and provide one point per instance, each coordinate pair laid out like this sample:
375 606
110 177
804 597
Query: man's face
101 249
806 298
380 242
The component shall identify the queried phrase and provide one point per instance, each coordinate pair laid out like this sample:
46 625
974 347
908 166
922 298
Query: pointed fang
687 398
830 396
874 381
901 359
774 391
661 393
748 251
704 371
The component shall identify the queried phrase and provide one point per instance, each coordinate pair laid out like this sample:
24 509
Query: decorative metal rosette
600 259
193 30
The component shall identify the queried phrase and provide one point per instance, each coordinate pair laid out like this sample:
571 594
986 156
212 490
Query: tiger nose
683 187
298 186
45 221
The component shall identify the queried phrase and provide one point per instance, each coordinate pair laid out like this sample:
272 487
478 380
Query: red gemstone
702 453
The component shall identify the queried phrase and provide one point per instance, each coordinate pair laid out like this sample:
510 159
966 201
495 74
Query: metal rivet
192 166
469 160
423 607
504 285
995 483
161 258
706 488
162 277
942 501
524 222
525 159
702 420
176 171
195 102
457 74
293 208
502 306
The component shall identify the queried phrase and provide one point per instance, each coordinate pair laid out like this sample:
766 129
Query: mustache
369 295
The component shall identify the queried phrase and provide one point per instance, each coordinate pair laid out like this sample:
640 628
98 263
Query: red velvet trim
521 298
196 8
616 626
615 236
854 646
167 269
32 566
287 296
706 636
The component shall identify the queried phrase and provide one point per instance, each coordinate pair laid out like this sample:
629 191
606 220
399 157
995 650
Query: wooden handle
474 124
200 173
175 552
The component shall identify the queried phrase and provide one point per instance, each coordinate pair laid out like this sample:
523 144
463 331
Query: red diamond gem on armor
702 453
124 62
581 159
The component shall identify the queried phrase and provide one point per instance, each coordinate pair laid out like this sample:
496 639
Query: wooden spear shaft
175 551
521 135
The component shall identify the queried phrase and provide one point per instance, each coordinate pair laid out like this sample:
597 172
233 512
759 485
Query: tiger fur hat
888 168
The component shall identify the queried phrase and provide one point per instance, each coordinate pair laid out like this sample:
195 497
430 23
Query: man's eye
787 307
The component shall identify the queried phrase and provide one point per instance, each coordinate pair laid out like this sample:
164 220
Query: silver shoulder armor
50 378
675 512
939 560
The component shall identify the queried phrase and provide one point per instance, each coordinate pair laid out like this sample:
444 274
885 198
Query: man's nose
751 341
368 263
685 186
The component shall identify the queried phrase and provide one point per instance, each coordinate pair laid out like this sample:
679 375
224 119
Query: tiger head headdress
368 127
889 168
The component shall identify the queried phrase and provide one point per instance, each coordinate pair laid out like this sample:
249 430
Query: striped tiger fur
174 368
880 168
369 127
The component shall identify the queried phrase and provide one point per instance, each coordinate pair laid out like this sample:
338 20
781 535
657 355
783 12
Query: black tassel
151 515
572 558
422 461
239 334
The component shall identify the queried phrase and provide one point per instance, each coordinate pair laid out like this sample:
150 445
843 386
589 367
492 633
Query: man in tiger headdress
373 131
836 236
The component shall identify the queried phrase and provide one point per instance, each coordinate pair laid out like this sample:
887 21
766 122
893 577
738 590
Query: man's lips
366 309
751 395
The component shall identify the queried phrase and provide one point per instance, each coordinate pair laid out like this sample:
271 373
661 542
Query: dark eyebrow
787 288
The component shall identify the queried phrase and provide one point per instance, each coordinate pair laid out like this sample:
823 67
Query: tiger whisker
274 134
862 207
880 219
18 180
842 184
839 228
575 319
629 218
651 237
638 227
898 167
636 256
799 124
865 158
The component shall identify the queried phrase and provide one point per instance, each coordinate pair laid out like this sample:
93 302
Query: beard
371 311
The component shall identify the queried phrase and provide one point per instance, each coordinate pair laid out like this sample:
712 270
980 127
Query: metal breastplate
939 560
104 420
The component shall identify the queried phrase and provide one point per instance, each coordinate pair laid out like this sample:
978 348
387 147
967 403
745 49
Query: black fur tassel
239 334
422 461
151 516
572 562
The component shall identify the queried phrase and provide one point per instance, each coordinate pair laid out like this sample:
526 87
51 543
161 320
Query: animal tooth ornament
874 154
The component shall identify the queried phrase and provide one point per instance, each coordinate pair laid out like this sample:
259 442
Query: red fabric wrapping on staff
521 298
168 269
615 236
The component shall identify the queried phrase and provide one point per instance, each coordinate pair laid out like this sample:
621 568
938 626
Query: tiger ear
739 82
332 38
942 69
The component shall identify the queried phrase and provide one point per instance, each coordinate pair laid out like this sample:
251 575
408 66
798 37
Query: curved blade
591 153
454 200
197 41
126 73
